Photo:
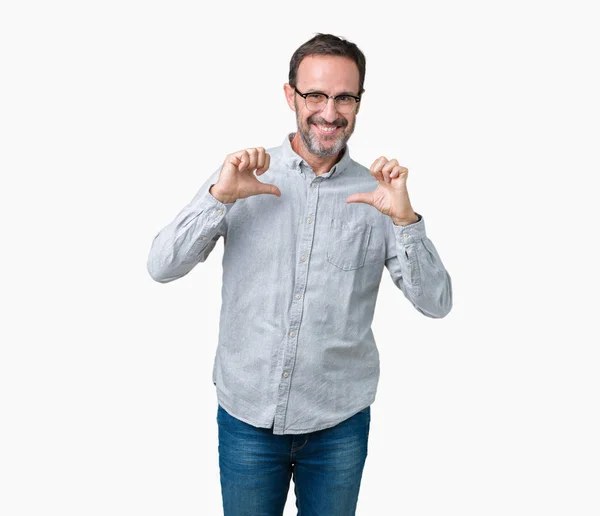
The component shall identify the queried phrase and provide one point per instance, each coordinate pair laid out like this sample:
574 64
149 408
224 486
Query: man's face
324 133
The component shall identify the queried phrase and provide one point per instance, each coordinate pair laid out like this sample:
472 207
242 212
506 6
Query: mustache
341 122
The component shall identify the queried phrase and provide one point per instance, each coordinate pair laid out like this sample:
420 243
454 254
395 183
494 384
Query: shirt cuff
412 233
207 202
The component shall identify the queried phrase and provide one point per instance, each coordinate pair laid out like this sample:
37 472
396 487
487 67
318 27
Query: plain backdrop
113 113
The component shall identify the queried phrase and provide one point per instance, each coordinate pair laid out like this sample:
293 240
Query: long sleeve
418 271
190 237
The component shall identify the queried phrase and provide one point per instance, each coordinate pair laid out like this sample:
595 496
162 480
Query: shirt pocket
347 243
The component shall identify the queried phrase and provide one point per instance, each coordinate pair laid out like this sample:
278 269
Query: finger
365 197
398 171
377 161
387 169
253 153
243 160
266 166
377 166
260 158
386 176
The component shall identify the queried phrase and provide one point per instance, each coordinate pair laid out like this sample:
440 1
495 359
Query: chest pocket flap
347 243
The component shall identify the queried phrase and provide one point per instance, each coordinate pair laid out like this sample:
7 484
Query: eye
317 97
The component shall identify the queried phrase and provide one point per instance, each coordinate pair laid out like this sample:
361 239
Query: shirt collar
293 160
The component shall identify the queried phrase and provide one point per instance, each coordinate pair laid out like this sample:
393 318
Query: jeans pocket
347 244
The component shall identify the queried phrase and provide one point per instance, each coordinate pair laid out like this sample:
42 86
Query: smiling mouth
326 129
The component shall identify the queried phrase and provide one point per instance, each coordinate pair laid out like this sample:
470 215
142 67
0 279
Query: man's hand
237 179
391 196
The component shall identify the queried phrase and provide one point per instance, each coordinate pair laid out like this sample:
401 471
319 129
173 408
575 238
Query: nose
329 112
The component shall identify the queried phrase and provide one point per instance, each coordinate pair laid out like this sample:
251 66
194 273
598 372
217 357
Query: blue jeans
256 467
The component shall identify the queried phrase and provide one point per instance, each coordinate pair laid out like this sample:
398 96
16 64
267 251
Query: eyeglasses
316 101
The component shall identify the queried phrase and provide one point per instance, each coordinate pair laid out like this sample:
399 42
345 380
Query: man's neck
319 165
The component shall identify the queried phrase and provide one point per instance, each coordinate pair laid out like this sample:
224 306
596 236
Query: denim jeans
326 466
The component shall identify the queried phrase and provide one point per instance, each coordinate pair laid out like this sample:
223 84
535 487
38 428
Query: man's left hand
391 195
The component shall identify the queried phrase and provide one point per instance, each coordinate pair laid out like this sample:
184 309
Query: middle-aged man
296 366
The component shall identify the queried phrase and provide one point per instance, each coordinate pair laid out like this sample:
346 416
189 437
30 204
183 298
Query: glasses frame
334 97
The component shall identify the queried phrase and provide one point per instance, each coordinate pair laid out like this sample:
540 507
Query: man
296 367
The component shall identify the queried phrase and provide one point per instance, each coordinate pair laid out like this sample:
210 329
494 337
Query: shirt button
309 220
219 211
203 238
405 235
298 296
314 185
292 334
303 258
286 374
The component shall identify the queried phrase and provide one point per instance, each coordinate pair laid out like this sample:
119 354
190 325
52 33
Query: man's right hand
237 179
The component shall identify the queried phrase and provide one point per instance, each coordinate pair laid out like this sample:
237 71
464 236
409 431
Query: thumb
366 197
266 188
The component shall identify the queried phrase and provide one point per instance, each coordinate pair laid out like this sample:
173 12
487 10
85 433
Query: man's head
333 66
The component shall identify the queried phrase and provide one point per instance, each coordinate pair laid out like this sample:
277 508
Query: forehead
330 74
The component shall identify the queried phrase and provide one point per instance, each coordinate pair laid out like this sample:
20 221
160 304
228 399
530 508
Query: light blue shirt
301 273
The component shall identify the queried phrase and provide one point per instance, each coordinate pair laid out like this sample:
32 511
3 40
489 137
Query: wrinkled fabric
301 273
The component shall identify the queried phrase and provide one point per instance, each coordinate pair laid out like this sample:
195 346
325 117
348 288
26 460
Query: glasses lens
315 101
344 104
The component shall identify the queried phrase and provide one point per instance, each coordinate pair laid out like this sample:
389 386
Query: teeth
327 129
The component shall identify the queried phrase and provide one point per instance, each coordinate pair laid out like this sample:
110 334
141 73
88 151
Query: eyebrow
343 93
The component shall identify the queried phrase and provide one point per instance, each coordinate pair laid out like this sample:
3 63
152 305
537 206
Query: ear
290 93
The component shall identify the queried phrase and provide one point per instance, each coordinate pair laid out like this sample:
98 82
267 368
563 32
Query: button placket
306 239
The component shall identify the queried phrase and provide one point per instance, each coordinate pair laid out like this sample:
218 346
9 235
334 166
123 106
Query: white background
114 113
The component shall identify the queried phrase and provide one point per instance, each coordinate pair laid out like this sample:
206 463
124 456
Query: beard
322 145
